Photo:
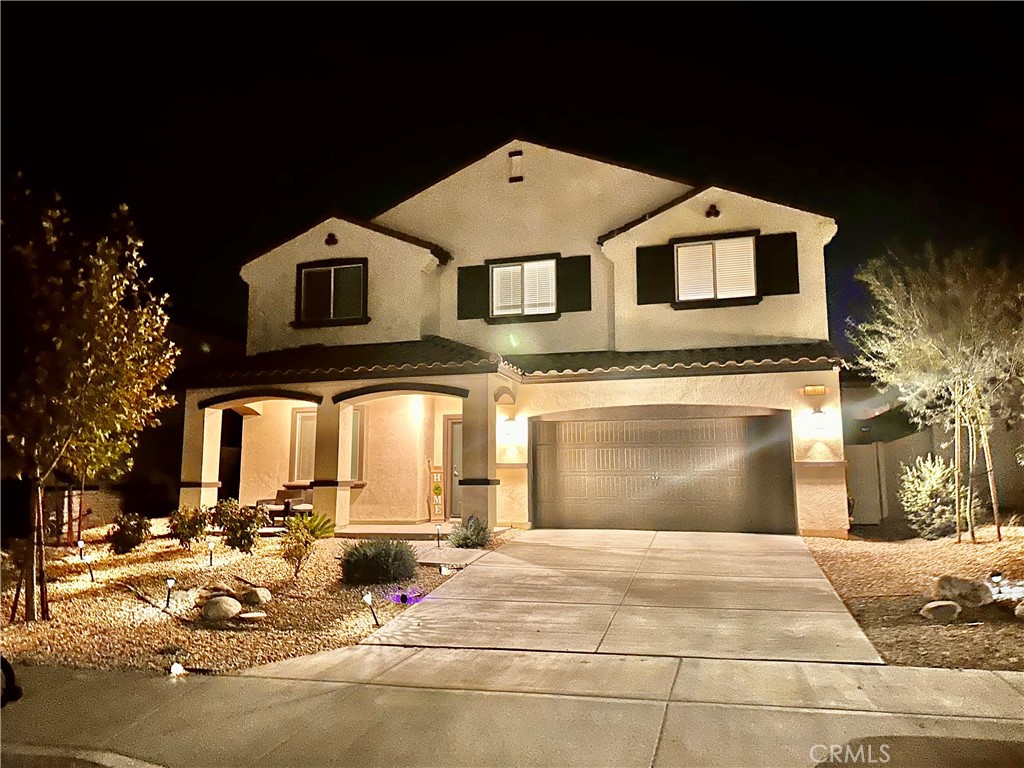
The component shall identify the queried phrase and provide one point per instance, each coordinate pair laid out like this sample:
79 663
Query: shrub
378 561
241 525
298 541
927 492
129 531
470 535
190 524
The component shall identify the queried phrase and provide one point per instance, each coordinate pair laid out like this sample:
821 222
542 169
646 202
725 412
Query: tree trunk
957 468
32 572
44 602
81 508
972 455
990 470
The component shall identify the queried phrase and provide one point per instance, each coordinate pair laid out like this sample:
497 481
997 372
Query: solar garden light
997 579
444 570
88 562
170 586
211 546
438 529
177 670
81 550
368 599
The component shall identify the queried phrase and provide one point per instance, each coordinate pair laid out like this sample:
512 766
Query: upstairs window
332 293
523 288
717 269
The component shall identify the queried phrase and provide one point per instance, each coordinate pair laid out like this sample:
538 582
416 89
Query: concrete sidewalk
380 706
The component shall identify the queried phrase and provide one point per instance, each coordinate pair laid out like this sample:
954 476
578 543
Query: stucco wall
266 450
399 441
800 316
564 203
401 285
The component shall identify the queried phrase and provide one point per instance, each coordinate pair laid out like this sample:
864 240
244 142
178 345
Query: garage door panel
713 474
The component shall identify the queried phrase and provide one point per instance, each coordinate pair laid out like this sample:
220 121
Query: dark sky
228 129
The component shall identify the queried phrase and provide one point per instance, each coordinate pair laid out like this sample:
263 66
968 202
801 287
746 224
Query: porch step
413 532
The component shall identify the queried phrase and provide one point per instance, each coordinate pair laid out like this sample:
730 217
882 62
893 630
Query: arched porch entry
663 467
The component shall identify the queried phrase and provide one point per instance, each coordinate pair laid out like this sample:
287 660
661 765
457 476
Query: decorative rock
218 586
221 609
972 594
251 616
1019 610
941 610
256 596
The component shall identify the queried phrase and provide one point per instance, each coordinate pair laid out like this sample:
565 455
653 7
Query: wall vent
515 166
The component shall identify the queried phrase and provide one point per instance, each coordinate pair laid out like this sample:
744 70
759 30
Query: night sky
228 137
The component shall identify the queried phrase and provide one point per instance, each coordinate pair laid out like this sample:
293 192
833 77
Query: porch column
332 461
479 477
819 465
200 454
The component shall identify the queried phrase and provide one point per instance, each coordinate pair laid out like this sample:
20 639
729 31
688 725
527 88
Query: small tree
948 336
85 349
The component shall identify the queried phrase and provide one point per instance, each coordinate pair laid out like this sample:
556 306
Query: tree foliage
85 346
947 335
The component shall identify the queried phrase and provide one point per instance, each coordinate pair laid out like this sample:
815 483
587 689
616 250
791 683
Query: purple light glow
407 597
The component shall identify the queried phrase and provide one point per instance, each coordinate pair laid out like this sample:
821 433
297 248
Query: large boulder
256 596
221 608
1019 610
941 610
972 594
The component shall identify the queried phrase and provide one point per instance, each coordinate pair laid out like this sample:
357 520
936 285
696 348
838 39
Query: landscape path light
81 550
170 586
438 529
211 546
997 579
88 563
177 670
368 599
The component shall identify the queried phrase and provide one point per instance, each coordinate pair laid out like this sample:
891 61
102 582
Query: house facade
541 339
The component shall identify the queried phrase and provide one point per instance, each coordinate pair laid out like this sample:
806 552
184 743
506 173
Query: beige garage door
696 474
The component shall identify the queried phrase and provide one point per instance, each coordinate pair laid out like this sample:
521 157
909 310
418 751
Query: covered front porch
372 455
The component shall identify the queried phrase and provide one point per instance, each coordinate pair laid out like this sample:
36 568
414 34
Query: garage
663 471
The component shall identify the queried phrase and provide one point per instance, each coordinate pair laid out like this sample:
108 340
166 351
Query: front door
453 452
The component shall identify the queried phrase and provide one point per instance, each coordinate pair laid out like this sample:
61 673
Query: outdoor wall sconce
368 599
170 586
509 426
819 420
81 550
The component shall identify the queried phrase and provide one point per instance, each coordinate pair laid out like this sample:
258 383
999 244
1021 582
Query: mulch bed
885 584
104 625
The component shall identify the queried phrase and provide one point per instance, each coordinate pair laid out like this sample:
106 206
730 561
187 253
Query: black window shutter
778 267
655 274
572 283
474 292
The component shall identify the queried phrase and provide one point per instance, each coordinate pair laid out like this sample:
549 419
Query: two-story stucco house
541 339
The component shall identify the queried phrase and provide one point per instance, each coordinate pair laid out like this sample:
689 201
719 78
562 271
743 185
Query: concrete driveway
701 595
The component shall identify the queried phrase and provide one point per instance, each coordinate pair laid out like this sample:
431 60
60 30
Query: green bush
470 535
129 531
298 540
378 561
190 524
927 492
241 525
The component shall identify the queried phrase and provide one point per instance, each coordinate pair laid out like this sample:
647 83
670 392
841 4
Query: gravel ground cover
103 624
885 584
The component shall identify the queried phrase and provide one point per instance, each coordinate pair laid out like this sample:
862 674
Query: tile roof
815 355
429 356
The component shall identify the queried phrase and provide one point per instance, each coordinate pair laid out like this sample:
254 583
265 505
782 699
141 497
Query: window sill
505 319
743 301
329 323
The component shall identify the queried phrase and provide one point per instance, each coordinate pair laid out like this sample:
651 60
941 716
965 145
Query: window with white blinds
720 269
303 445
525 288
